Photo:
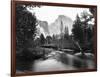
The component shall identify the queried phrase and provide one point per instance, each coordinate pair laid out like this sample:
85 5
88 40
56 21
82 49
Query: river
56 61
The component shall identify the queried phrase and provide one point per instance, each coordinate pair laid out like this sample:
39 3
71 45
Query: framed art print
52 38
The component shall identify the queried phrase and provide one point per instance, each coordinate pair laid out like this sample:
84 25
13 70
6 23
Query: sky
50 13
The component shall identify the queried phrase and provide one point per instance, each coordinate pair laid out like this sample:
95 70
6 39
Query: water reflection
56 62
24 65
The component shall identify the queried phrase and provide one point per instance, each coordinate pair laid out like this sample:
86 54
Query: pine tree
42 39
25 26
77 30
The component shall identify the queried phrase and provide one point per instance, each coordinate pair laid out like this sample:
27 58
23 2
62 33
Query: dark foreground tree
77 30
83 30
25 26
26 23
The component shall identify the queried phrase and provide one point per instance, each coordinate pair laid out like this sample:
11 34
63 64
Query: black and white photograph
54 38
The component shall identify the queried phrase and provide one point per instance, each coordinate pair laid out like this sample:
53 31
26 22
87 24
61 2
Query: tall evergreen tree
77 30
42 39
25 26
83 29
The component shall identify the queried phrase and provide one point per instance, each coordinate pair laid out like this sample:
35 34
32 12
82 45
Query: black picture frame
13 37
